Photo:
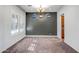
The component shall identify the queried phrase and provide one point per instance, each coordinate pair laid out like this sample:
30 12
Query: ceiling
50 8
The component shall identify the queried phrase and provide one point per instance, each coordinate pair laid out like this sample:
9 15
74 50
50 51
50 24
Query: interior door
62 28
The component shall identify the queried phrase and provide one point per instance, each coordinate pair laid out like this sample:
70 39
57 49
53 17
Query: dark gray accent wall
41 24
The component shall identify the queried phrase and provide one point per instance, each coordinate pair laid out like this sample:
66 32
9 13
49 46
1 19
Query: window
21 23
14 24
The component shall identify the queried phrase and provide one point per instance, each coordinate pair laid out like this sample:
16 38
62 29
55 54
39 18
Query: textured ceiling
50 8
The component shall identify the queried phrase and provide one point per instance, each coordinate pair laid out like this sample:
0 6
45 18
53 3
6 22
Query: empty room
39 28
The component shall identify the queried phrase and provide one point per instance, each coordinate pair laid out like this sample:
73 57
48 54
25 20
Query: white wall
71 14
6 39
1 27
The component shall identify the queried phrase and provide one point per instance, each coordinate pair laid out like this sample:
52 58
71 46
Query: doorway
62 27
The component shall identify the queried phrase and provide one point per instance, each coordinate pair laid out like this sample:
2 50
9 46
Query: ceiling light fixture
40 8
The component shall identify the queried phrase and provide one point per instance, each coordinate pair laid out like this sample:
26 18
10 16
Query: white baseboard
41 36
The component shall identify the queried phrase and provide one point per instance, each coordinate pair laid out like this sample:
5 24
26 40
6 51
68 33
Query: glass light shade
41 16
40 9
